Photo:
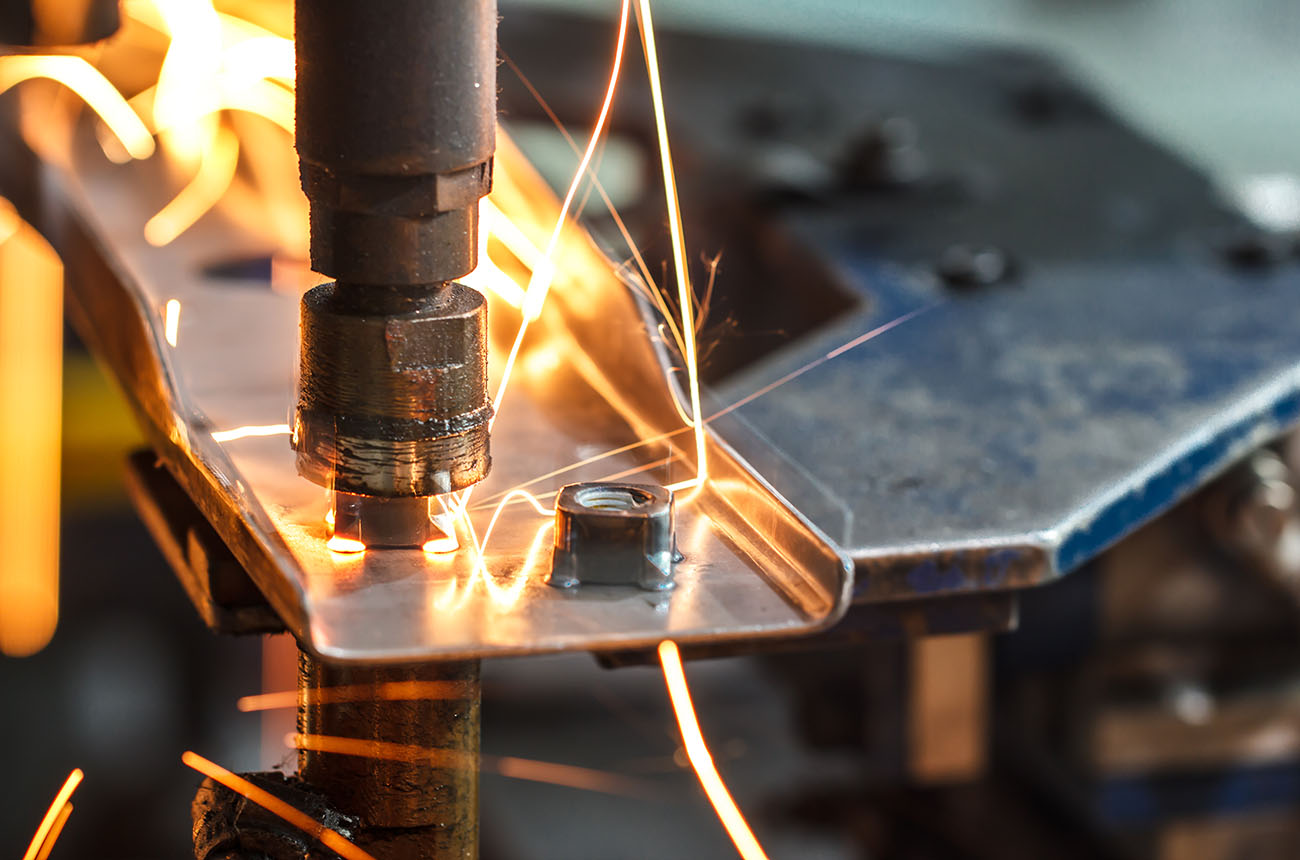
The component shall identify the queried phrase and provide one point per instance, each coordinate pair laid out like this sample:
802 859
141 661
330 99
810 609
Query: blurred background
132 677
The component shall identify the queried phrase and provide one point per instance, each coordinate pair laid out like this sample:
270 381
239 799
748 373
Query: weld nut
613 534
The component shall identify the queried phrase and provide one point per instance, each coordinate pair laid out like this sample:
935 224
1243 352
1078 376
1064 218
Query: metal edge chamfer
614 534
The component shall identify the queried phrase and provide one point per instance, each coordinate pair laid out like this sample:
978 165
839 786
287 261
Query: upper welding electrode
396 129
613 534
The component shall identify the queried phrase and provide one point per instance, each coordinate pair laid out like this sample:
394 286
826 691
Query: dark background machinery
1182 634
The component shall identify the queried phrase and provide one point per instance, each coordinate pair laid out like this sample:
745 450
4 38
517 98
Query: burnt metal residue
227 824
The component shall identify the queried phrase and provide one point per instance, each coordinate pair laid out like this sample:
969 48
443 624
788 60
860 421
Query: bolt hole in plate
232 366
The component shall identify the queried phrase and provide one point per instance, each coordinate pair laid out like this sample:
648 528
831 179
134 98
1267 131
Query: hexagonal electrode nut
613 534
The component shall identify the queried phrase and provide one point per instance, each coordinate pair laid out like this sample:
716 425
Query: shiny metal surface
1079 343
752 566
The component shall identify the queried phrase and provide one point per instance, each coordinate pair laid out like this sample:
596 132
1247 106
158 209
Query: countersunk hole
612 498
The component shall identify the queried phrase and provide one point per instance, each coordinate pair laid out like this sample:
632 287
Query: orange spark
544 272
567 775
55 832
51 823
185 97
268 701
253 430
570 776
90 86
406 691
744 401
215 173
171 321
331 839
698 753
386 750
651 291
834 353
509 497
684 293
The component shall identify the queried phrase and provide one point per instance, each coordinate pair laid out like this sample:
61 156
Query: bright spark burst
52 824
331 839
698 753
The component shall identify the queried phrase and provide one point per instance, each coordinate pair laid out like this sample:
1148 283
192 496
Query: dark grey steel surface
1007 432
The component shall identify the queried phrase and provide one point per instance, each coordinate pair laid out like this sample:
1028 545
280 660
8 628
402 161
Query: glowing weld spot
445 544
345 545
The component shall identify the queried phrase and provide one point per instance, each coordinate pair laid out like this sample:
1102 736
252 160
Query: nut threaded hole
612 498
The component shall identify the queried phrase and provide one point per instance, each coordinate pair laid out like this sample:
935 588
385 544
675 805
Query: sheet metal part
1017 429
609 533
755 568
396 126
1119 358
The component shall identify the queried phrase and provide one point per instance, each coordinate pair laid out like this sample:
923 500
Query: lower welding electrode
392 393
614 534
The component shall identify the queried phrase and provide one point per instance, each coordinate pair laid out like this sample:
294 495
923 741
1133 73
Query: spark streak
404 691
55 832
52 823
215 173
569 776
540 282
331 839
684 294
251 430
698 753
171 321
90 86
744 401
386 750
